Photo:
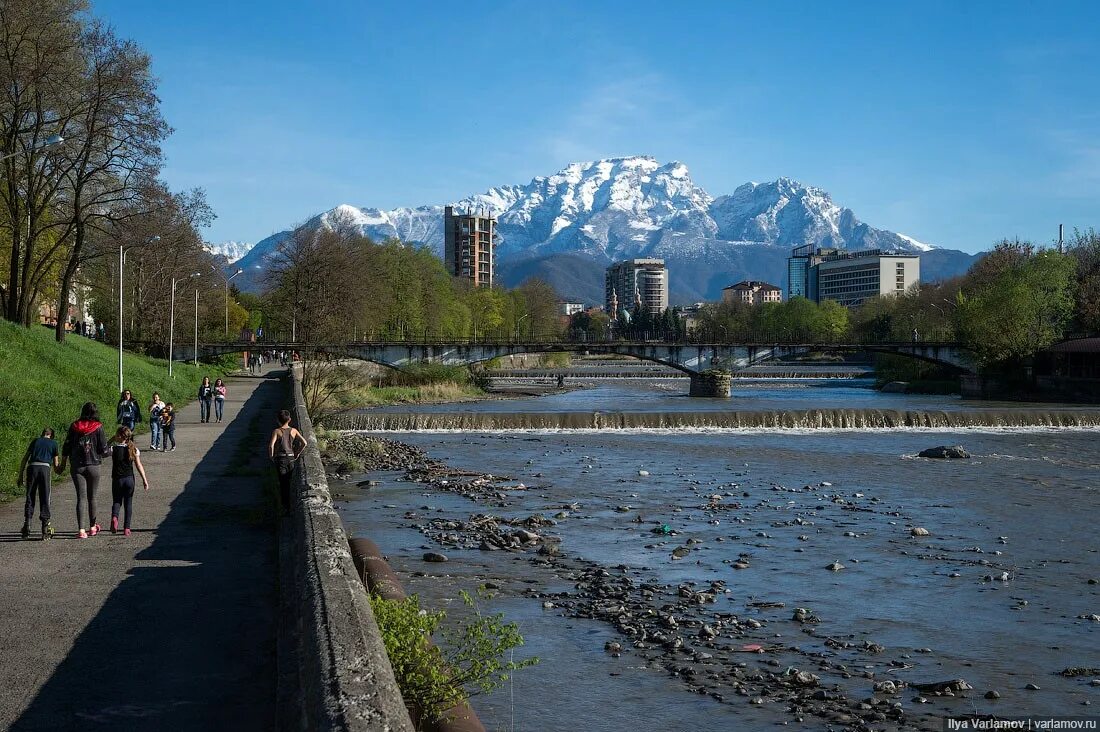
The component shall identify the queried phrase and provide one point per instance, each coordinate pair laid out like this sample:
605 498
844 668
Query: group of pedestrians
86 446
83 451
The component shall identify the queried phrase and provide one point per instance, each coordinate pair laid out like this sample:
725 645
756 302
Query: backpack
85 445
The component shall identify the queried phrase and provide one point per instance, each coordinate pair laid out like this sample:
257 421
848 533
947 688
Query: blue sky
955 123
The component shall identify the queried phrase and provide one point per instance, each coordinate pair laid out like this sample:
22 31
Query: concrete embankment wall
333 670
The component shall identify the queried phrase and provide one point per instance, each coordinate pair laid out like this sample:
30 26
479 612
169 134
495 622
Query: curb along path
173 628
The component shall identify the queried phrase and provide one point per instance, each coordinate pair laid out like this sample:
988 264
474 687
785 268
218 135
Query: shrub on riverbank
44 383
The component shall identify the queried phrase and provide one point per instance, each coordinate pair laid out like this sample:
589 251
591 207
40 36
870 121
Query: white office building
849 278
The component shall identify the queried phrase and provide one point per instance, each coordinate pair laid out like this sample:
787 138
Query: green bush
422 374
469 661
44 383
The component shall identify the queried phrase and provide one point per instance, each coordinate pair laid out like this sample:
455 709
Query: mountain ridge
589 214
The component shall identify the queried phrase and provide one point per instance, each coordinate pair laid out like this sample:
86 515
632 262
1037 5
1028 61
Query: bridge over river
710 365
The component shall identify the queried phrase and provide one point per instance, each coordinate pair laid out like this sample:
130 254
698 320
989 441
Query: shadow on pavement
186 641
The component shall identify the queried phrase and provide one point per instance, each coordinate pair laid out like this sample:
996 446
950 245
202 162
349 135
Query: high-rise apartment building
468 245
636 282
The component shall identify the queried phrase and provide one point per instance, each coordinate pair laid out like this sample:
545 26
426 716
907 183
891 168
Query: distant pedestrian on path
156 407
85 447
219 398
128 412
168 427
40 457
284 451
206 399
916 335
125 457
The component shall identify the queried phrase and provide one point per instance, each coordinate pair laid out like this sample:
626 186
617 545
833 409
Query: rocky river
698 578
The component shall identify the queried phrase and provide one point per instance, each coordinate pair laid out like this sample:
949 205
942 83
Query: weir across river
708 364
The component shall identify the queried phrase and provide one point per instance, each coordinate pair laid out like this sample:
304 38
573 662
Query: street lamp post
48 142
172 323
196 354
518 322
120 264
239 271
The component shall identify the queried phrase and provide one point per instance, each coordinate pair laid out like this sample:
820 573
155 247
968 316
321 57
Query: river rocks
944 687
895 387
992 694
1074 671
435 557
643 473
886 687
802 615
1032 687
944 452
834 567
919 531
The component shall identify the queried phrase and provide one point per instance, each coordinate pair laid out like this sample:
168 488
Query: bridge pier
710 384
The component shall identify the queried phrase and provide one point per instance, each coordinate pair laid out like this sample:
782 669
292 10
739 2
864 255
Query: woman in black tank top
125 457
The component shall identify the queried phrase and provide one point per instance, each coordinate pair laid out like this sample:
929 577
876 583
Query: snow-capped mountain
231 250
566 228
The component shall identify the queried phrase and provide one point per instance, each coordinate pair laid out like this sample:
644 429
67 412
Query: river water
1022 511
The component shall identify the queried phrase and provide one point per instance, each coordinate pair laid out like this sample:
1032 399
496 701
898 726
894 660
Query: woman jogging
85 447
128 412
168 427
206 396
155 408
219 399
41 455
125 456
284 451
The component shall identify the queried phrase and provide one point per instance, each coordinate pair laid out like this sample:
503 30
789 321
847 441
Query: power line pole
1060 239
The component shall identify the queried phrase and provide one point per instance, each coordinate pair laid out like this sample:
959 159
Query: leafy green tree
1007 315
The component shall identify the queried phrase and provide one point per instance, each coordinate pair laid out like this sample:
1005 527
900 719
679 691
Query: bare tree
40 74
117 155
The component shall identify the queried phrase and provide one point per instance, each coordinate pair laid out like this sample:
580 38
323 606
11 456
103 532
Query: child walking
168 427
125 456
40 457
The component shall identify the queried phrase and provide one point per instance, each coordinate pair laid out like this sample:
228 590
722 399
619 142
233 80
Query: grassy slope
43 383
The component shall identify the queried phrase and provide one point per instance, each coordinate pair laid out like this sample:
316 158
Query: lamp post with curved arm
172 323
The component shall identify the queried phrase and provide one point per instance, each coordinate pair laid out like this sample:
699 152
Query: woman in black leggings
85 447
125 457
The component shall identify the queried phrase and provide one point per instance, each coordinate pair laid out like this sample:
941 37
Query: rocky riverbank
766 651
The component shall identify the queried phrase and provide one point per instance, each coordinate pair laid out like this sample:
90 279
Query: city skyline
955 126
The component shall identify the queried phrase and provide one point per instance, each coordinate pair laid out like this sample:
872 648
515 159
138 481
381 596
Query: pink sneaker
94 530
114 524
126 532
83 534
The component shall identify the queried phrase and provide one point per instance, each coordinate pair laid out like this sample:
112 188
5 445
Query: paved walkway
172 628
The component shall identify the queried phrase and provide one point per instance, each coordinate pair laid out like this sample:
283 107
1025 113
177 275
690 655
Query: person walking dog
40 457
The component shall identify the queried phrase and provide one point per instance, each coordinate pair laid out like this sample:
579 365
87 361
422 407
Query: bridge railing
572 340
